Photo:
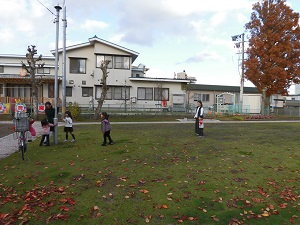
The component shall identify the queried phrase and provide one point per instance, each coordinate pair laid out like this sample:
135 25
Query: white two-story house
129 87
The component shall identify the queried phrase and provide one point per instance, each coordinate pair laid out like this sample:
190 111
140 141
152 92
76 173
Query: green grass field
239 173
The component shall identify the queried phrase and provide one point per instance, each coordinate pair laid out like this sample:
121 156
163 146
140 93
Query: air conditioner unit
133 99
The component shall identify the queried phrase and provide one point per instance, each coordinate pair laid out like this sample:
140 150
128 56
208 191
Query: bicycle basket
21 122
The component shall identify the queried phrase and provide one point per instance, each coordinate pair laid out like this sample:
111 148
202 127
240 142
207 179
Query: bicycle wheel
23 145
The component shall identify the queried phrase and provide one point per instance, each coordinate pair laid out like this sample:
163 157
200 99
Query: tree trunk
104 88
34 103
34 95
265 105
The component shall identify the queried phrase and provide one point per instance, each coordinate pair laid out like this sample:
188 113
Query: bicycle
21 128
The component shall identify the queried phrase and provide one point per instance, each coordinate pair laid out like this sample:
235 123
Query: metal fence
291 112
189 109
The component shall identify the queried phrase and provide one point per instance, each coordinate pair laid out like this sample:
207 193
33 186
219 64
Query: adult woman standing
199 119
50 113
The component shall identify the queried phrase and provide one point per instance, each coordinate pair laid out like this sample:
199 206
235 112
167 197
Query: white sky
170 35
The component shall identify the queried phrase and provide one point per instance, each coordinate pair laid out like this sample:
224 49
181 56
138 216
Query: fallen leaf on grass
256 200
162 207
94 212
215 218
144 191
64 208
283 205
265 214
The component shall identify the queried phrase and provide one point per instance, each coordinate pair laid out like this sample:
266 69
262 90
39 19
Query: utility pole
243 75
125 98
240 39
58 8
64 65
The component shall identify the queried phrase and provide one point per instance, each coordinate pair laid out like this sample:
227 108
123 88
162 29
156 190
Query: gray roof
221 88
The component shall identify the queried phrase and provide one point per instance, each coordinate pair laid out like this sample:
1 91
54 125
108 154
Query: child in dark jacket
105 127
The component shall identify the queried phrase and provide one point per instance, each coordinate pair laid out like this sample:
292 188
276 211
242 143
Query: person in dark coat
50 114
199 119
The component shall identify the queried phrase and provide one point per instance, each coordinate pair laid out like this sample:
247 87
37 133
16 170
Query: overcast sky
169 35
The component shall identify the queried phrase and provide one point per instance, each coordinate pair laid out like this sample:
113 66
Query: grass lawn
246 173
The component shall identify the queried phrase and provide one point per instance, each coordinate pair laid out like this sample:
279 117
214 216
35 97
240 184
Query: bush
75 111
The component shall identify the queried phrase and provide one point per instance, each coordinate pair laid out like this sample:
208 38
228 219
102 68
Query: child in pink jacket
46 131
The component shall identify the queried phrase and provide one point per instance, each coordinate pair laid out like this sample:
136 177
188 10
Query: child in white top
68 126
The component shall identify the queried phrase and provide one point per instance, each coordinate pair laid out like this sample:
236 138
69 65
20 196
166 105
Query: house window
205 98
87 91
119 93
43 70
201 97
13 90
197 97
99 91
1 69
69 91
121 62
77 65
161 94
101 58
50 90
145 93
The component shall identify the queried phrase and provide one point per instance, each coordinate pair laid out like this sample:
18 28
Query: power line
46 8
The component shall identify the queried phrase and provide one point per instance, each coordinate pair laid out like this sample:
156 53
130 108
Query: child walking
68 126
46 131
105 127
31 130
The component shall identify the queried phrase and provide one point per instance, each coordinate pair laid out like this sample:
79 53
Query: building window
43 70
83 82
201 97
69 91
1 89
122 62
100 58
50 90
1 69
20 91
205 98
87 91
119 93
77 65
99 91
161 94
114 93
145 93
197 97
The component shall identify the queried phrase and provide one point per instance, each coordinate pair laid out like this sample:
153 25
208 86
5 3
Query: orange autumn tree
273 62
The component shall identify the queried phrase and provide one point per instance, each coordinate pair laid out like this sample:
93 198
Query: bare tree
103 67
31 69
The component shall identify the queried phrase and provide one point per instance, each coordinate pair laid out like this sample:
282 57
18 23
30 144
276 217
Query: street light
239 39
58 8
